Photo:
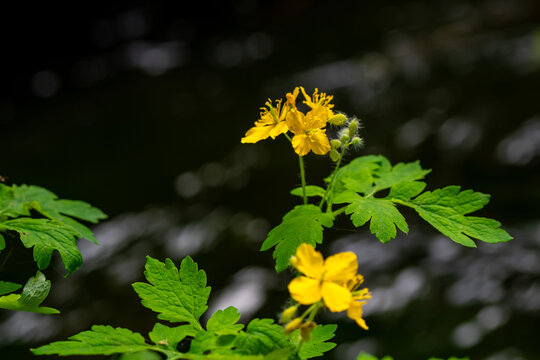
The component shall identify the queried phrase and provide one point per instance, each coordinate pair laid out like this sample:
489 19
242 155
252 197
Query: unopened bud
344 135
336 144
293 325
356 141
288 314
338 119
334 155
293 260
353 126
306 329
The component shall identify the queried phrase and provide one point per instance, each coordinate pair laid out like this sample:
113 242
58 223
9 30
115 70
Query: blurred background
138 108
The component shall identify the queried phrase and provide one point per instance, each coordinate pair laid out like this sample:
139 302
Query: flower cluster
308 129
334 282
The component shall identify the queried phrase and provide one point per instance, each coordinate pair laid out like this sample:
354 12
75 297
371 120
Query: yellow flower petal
355 312
341 267
336 298
316 118
280 128
305 290
301 144
256 133
318 142
309 261
295 122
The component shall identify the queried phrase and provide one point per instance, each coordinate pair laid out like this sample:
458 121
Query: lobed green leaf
101 340
46 236
445 210
303 224
317 345
178 296
34 292
223 322
7 287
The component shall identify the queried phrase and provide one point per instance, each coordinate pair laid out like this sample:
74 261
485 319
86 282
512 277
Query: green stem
302 172
303 178
339 211
331 183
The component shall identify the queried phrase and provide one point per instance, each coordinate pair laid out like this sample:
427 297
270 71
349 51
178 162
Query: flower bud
293 325
334 155
306 329
344 135
338 119
356 141
335 143
288 314
353 126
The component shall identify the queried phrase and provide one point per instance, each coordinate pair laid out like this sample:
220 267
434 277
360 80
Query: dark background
139 107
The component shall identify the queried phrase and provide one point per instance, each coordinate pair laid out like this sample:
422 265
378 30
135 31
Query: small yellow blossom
308 131
319 101
272 123
326 280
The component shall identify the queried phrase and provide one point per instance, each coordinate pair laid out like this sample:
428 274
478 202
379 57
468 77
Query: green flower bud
293 325
288 314
336 144
334 155
353 126
338 119
356 141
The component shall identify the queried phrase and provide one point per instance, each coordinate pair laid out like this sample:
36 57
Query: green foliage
46 224
101 339
34 292
178 296
303 224
46 236
262 336
365 356
223 322
311 190
358 183
317 345
7 287
445 210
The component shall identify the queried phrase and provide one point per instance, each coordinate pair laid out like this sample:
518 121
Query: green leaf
34 292
365 356
311 190
143 355
262 336
317 345
101 340
48 204
445 210
303 224
176 296
2 243
223 322
383 215
9 206
7 287
170 337
369 174
46 236
210 343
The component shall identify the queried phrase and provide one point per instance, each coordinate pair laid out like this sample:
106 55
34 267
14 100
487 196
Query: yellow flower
319 101
272 123
358 300
308 131
326 280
